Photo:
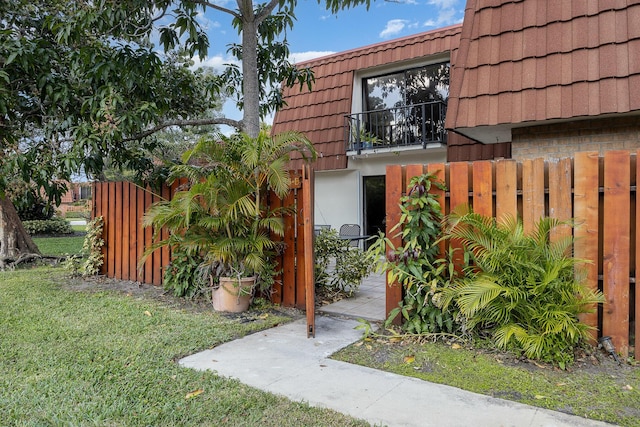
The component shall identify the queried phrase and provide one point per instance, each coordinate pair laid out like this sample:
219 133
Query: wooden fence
598 192
122 205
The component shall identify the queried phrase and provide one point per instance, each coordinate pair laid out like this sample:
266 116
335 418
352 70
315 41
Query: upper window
410 87
402 108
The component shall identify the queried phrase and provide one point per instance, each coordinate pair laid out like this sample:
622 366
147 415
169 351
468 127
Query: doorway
374 205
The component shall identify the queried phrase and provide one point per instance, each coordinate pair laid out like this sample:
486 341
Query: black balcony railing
411 125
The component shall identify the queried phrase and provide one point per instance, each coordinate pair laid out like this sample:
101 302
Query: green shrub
50 226
351 266
524 289
416 264
182 276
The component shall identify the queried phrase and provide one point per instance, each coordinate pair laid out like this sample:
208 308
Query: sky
319 33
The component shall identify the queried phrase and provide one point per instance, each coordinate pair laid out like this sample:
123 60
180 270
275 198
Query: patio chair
350 230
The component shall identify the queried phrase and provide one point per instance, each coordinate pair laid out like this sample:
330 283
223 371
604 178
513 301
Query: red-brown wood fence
598 192
122 205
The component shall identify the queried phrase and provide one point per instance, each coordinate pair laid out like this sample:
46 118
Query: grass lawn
597 390
70 357
59 246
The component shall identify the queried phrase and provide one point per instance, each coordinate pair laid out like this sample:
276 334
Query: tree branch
218 8
266 11
195 122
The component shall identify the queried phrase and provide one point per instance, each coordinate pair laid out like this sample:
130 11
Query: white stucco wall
338 198
338 193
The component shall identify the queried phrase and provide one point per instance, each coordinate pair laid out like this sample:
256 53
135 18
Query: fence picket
585 207
394 190
506 189
532 192
616 229
482 187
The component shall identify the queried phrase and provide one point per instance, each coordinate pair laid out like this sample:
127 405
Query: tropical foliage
223 216
416 264
524 288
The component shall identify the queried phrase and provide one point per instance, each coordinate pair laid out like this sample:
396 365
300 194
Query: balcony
420 125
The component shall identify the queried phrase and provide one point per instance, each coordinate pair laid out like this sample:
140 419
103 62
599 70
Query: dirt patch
157 293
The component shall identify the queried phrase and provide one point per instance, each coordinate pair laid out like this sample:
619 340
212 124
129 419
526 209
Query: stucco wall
563 139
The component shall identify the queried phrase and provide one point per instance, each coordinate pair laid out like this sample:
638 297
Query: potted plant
223 217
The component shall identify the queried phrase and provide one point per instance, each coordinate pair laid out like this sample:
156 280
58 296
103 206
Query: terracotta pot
231 295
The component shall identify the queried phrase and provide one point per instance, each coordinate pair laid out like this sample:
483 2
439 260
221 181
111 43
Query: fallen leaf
627 387
264 316
409 359
358 344
194 393
323 366
561 384
368 347
539 396
395 339
147 313
456 346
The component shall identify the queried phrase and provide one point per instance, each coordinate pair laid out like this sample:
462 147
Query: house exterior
518 78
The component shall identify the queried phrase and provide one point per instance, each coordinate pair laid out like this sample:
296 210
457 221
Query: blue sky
318 33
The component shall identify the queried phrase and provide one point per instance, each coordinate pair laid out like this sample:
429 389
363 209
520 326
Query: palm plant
524 288
223 216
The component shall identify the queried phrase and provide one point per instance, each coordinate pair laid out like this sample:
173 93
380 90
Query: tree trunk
251 82
14 240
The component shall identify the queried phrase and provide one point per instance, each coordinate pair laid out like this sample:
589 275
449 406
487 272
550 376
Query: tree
81 82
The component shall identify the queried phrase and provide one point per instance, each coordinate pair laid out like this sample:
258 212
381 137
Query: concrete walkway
283 361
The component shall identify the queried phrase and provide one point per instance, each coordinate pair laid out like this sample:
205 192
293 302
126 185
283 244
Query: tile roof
526 61
320 114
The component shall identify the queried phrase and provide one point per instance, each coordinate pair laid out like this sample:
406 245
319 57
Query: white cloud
449 12
306 56
217 62
393 27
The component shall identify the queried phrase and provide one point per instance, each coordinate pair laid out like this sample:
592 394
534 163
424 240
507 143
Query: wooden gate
598 192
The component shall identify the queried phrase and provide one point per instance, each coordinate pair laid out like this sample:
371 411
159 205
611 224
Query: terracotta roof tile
528 73
528 105
607 26
579 8
505 75
620 26
608 61
594 98
511 17
608 96
580 99
593 65
554 11
529 14
566 101
622 94
553 108
566 69
580 61
541 15
505 107
633 17
554 37
529 42
634 56
553 70
541 104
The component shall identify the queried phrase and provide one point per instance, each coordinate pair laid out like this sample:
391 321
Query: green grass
104 358
611 395
58 246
